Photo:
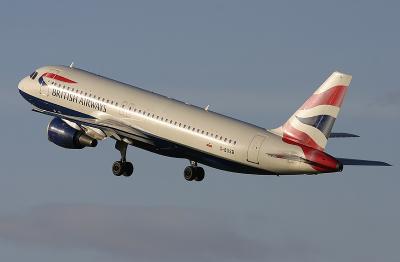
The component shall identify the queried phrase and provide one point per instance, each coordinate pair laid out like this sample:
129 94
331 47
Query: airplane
87 108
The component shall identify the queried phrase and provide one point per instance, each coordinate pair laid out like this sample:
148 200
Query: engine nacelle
63 135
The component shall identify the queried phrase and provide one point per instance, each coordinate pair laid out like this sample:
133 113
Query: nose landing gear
122 167
193 172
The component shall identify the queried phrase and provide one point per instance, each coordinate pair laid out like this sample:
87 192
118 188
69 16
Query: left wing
110 126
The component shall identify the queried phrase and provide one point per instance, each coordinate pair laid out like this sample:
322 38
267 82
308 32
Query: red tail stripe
293 136
333 96
58 77
311 150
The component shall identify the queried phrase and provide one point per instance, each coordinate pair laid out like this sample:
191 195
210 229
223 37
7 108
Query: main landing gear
193 172
122 167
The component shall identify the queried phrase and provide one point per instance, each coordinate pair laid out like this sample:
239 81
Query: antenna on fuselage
71 65
207 107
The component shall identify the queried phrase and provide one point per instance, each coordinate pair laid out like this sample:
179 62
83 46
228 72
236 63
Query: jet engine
63 135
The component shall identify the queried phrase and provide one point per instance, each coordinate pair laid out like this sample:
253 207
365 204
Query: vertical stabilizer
312 123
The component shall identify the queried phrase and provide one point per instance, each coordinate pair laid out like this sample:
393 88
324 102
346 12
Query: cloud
140 233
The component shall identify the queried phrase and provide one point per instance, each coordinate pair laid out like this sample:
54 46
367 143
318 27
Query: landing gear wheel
189 173
117 168
193 173
128 169
122 167
199 174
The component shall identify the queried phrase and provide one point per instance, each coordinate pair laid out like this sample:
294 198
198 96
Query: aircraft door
44 87
254 149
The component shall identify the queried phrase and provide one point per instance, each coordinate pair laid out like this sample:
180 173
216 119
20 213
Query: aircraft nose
22 84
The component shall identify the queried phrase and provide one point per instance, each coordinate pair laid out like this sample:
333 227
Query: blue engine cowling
62 134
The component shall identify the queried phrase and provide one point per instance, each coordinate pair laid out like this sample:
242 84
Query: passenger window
116 104
225 139
234 142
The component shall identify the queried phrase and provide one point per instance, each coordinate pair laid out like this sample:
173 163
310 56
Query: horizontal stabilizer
341 135
359 162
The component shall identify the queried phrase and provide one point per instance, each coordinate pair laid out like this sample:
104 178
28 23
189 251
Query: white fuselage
215 137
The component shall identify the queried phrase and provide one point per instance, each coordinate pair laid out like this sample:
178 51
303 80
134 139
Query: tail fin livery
312 123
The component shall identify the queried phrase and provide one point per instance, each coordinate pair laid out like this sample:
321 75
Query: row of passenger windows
154 116
85 93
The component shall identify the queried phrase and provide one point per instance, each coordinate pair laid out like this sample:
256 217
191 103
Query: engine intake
63 135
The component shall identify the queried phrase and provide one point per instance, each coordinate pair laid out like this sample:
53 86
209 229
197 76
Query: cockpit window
33 75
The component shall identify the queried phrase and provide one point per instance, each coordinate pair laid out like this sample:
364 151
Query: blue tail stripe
323 123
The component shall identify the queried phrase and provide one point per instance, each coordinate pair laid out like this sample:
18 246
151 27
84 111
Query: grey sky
254 60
